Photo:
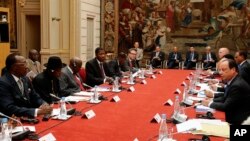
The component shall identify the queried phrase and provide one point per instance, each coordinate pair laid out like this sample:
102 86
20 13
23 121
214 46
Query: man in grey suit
236 103
70 80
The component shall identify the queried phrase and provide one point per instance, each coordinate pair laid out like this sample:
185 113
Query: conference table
128 119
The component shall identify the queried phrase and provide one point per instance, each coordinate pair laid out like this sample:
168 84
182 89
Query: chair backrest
82 74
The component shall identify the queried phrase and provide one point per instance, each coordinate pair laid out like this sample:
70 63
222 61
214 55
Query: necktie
208 57
175 56
20 85
226 89
77 79
102 70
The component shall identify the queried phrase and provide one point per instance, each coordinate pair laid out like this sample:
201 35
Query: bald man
70 80
174 58
209 59
33 63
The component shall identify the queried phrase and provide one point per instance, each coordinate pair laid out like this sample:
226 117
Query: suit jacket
171 56
45 85
67 82
236 104
93 72
244 71
127 67
161 55
213 56
139 54
115 68
188 56
12 101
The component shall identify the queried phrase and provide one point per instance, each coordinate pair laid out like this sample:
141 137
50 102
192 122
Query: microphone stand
20 135
70 111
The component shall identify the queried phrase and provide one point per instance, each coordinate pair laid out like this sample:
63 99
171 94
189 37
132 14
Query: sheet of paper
196 98
48 137
77 98
101 89
201 108
20 129
83 93
189 125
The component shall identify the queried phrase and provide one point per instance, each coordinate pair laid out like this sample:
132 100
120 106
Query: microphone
70 111
86 85
20 135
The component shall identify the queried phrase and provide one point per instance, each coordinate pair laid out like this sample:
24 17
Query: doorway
32 33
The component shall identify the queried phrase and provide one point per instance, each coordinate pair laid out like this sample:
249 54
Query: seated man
70 80
17 94
97 71
130 62
157 57
209 59
174 58
115 65
243 65
191 58
236 103
47 82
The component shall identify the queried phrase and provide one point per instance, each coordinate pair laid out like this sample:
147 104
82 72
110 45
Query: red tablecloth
127 119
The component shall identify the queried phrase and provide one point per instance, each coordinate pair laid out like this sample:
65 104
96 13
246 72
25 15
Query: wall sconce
56 19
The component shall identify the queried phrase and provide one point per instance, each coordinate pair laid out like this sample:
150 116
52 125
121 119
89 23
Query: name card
177 91
48 137
187 78
169 102
160 72
89 114
191 73
144 82
131 89
156 118
115 99
153 76
183 84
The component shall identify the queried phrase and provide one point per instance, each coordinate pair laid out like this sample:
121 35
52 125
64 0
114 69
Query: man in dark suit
157 57
17 94
174 58
115 66
236 103
70 80
191 58
97 71
130 62
47 82
244 67
209 59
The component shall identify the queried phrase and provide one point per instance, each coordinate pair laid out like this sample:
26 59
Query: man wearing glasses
130 63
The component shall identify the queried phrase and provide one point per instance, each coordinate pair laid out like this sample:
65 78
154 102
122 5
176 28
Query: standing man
17 94
70 80
34 65
174 58
139 53
157 57
47 82
97 71
236 103
191 58
209 59
244 67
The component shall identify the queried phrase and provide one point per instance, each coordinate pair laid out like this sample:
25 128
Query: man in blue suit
17 95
